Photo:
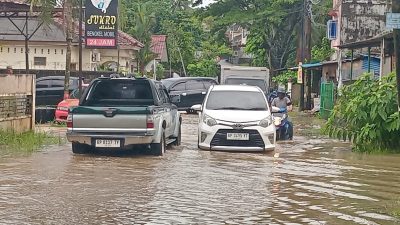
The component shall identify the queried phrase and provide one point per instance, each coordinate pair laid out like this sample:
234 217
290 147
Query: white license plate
238 136
101 143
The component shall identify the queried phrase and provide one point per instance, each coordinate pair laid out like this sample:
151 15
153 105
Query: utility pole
396 38
80 45
305 55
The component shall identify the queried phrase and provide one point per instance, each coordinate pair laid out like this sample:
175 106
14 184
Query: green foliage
366 114
284 78
322 51
160 71
27 141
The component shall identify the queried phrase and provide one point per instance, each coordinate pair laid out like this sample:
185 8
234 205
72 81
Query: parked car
50 90
188 91
119 113
61 113
235 118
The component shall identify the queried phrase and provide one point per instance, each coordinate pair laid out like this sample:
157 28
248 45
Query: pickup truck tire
80 148
159 148
178 139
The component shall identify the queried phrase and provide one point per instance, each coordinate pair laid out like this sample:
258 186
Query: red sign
97 42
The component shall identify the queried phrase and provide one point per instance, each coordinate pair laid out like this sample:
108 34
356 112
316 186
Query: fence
17 100
327 99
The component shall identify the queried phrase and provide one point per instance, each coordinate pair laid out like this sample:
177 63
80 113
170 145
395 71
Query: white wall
13 54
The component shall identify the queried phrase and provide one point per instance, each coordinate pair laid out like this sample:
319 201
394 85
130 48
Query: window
39 61
62 51
8 50
42 84
22 50
209 83
1 49
35 50
179 87
57 83
15 50
55 51
48 51
239 100
194 85
42 51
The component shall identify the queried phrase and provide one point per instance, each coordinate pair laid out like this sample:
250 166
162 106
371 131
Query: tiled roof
21 2
124 39
158 44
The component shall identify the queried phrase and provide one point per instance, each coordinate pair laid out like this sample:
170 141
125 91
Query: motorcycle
284 129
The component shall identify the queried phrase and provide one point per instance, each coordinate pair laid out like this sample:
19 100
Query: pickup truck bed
123 113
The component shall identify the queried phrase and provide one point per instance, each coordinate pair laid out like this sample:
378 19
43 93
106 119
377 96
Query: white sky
207 2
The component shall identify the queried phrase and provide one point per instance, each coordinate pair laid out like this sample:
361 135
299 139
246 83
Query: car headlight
209 120
62 108
266 122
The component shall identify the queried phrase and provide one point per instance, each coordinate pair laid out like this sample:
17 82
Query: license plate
101 143
238 136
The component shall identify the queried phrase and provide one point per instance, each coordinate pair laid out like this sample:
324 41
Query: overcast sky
207 2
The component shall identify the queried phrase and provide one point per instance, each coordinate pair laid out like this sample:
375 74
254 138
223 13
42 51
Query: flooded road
307 181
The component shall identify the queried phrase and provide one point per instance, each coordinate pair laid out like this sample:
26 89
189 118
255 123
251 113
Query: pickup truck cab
120 113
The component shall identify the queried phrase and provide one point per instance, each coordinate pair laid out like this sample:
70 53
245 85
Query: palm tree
47 13
144 22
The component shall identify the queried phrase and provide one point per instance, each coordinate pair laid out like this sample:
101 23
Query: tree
144 21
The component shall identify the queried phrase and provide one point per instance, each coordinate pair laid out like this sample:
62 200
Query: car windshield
236 100
251 82
120 93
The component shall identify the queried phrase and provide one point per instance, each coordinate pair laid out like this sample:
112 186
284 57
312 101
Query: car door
56 91
172 111
194 92
178 91
42 87
167 110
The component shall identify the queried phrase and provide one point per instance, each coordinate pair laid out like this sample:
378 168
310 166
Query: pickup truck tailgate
104 119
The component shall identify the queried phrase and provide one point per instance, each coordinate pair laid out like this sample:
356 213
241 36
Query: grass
25 142
392 209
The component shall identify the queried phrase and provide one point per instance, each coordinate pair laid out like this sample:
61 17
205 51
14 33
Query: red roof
158 44
124 39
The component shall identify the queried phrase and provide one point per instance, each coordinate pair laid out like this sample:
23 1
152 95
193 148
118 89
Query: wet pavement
308 181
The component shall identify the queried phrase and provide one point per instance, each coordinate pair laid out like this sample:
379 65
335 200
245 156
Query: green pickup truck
120 113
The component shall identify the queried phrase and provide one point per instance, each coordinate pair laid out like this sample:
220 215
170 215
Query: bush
367 114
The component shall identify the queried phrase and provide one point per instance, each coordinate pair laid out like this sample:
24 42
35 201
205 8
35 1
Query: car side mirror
197 108
175 98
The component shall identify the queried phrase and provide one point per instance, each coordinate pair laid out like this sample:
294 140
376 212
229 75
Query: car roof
189 78
55 78
236 88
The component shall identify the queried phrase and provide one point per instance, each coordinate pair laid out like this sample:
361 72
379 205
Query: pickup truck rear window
119 93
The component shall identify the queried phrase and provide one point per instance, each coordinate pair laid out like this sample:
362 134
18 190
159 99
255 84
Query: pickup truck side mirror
197 108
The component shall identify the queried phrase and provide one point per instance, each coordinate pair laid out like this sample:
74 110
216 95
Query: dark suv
50 90
188 91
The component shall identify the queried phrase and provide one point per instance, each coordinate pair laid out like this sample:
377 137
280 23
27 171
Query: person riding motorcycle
285 105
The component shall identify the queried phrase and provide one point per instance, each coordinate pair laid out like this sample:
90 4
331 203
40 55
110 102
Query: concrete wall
17 102
362 19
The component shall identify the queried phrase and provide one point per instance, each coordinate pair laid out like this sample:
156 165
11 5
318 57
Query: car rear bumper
61 116
127 139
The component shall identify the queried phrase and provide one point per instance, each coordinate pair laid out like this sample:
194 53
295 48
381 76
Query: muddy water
308 181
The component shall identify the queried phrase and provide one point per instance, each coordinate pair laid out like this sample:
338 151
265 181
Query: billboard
101 24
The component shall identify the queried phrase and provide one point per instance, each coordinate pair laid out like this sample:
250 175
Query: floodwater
307 181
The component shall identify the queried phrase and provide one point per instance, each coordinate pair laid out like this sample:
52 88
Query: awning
371 42
311 65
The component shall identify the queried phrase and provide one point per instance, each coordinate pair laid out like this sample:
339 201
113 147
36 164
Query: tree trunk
68 33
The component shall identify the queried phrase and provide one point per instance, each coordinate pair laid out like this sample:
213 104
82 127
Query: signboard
300 73
393 20
101 23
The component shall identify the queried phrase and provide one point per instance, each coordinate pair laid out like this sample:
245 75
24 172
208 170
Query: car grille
254 141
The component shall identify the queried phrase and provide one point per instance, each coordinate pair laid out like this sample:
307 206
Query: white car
235 118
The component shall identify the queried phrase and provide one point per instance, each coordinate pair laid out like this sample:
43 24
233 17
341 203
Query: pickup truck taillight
70 124
149 122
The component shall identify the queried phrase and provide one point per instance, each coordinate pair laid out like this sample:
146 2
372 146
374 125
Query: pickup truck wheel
79 148
159 149
178 139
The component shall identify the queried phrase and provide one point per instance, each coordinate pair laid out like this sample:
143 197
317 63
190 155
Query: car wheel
159 148
80 148
178 139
